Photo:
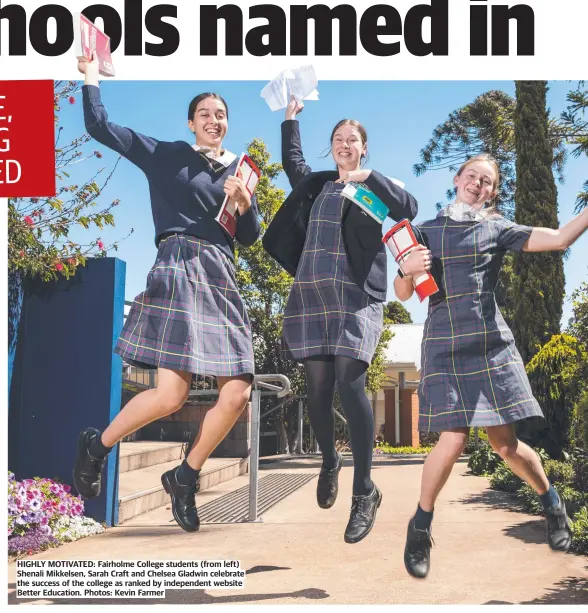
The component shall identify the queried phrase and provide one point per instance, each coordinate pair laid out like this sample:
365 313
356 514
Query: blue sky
399 118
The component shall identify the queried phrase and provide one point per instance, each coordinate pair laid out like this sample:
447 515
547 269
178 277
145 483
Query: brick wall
409 418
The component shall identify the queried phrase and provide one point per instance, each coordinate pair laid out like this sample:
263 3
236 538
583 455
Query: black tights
322 372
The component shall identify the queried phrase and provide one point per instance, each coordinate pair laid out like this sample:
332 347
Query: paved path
485 553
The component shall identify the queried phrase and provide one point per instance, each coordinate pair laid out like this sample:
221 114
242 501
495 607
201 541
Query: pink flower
59 266
100 245
66 488
29 221
55 488
22 253
72 100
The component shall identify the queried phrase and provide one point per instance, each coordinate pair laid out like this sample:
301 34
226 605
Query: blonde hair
488 211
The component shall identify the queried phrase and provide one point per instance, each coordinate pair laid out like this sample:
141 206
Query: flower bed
42 513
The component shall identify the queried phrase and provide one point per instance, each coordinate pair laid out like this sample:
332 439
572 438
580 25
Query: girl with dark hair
334 315
472 374
190 319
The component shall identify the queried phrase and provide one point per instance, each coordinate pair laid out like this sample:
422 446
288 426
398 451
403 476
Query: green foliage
39 243
483 461
386 448
504 479
482 440
559 472
580 531
485 125
554 374
265 287
574 124
580 479
540 280
375 373
579 323
395 313
529 500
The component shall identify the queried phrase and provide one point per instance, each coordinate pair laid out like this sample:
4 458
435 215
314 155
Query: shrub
529 500
482 440
504 479
483 461
580 531
385 448
574 500
429 439
559 472
580 480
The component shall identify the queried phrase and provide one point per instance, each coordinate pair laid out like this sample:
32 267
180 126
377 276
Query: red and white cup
401 240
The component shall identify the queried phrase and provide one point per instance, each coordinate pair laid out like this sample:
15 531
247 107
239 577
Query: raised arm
135 147
546 239
293 161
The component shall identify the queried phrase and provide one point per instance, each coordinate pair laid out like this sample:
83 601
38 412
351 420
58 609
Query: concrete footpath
486 552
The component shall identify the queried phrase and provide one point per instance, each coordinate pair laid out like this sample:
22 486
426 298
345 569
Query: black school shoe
87 472
558 527
417 552
363 516
328 485
183 500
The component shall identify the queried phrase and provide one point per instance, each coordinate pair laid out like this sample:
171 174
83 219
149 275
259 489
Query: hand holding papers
298 82
250 174
88 40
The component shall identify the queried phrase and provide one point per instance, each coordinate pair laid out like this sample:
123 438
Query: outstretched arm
546 239
293 161
135 147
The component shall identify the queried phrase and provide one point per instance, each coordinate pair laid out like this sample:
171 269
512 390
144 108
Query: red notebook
88 38
227 216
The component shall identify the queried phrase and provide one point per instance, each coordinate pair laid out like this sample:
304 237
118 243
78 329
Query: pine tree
540 276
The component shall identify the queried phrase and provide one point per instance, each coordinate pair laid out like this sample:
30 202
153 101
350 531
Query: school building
396 405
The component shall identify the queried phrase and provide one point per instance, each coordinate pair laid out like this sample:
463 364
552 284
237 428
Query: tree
39 242
554 374
578 328
395 313
540 281
486 125
579 323
265 287
575 130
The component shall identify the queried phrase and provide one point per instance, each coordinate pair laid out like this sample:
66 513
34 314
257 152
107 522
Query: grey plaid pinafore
327 313
472 373
191 316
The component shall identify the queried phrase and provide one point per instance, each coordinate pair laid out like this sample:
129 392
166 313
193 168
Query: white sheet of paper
299 82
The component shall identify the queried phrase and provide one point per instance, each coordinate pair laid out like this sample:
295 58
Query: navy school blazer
362 236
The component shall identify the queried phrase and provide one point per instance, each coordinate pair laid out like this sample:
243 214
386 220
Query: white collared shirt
226 158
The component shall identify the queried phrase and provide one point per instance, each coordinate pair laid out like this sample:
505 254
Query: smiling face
348 146
209 123
476 184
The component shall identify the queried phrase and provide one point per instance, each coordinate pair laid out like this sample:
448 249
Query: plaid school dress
326 312
191 316
472 373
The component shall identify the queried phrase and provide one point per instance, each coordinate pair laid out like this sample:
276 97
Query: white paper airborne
298 82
